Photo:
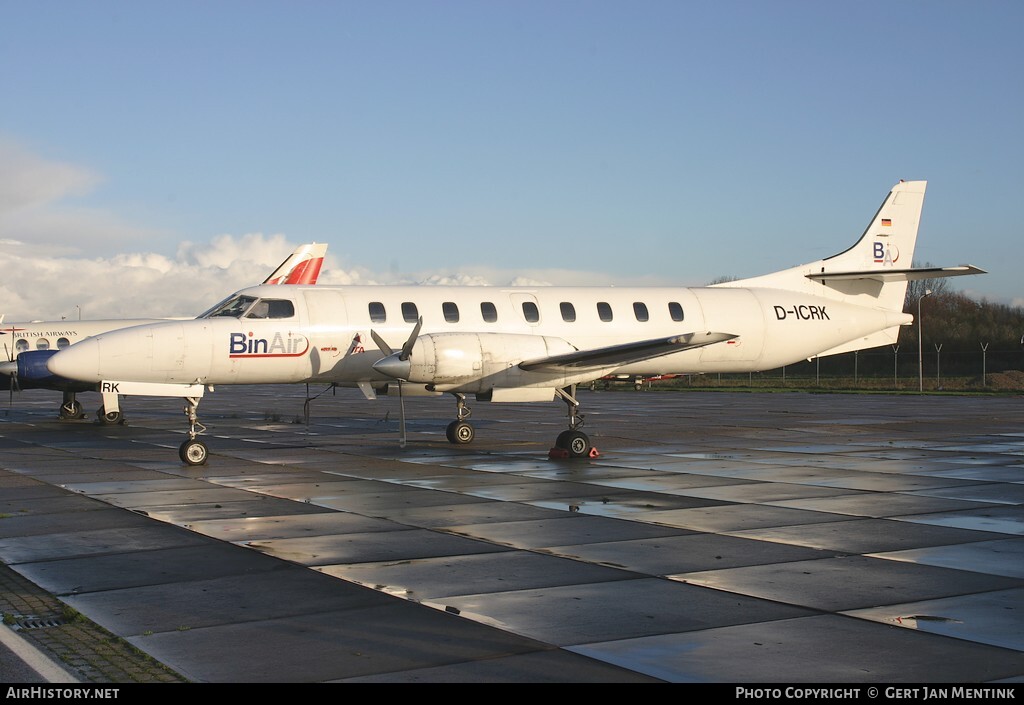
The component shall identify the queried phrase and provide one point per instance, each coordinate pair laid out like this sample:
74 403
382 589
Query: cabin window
21 346
568 311
530 312
640 310
42 344
675 310
281 308
604 311
62 343
451 311
377 312
488 311
409 312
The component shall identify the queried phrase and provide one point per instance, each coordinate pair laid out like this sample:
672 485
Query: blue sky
155 156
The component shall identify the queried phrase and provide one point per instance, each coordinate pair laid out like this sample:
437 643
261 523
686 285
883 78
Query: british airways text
280 345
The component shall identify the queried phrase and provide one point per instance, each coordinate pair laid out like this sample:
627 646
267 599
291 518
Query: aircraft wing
627 353
899 275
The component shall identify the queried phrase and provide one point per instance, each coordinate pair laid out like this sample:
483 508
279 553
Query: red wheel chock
563 453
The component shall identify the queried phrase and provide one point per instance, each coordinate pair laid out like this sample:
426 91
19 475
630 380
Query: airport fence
896 368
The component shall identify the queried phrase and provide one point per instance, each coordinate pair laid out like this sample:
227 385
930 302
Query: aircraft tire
460 432
562 440
71 410
193 452
577 443
110 419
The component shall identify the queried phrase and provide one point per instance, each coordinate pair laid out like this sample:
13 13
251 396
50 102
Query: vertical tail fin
887 246
873 272
301 267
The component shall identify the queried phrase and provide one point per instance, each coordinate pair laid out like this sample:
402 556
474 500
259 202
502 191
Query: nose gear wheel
193 451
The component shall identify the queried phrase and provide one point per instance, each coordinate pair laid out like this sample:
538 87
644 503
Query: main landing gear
193 451
109 418
571 443
461 431
71 408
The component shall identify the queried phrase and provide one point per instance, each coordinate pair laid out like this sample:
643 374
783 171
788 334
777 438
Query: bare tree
916 289
722 280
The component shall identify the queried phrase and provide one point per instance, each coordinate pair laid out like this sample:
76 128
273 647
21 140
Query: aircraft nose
79 362
393 366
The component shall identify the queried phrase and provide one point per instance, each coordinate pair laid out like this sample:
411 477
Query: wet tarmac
718 537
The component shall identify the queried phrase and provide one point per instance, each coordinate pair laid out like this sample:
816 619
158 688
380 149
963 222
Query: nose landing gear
193 451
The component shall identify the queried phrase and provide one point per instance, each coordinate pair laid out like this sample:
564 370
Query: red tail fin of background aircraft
301 267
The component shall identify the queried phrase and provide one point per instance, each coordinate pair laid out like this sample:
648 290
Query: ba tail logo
886 253
279 345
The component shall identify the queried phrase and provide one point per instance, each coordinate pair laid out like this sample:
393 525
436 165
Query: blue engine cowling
33 374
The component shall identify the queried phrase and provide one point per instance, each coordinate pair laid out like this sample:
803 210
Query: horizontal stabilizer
900 275
618 355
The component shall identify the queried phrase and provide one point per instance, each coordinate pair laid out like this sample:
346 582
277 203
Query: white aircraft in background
27 346
517 344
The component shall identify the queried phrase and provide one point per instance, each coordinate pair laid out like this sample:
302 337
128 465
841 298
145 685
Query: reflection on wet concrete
718 537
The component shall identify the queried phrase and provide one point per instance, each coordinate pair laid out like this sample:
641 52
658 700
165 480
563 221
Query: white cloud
51 271
28 181
135 285
33 191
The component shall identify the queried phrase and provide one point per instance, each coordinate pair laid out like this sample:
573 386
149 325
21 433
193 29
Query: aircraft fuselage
474 337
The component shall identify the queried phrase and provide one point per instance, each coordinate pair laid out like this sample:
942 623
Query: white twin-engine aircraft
518 344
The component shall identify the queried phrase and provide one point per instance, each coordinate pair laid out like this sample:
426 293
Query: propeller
10 368
397 366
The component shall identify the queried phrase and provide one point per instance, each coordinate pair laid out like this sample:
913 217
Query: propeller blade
11 370
398 375
380 343
407 348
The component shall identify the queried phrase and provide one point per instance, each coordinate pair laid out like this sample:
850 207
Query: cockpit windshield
241 305
231 307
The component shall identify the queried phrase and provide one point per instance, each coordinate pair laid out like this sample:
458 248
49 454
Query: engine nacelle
33 373
478 362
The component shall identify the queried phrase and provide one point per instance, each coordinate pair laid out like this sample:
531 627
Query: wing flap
627 353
